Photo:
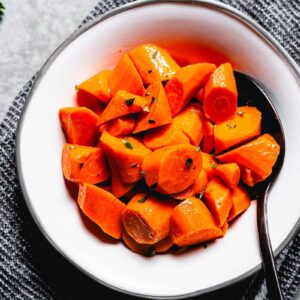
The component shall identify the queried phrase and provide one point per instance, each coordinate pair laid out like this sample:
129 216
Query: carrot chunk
209 164
80 125
119 188
121 126
146 218
124 155
172 168
153 63
220 95
84 164
224 228
240 202
158 112
192 223
94 90
218 199
122 104
245 125
101 207
229 173
184 84
259 156
125 77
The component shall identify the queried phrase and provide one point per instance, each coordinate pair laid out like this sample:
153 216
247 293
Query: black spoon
250 93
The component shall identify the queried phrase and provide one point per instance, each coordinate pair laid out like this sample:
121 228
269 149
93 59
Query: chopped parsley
151 252
143 173
142 200
230 125
127 144
213 165
130 101
198 149
151 121
189 162
77 88
154 54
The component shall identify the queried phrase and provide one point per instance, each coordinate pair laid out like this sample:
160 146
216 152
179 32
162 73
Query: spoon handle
273 286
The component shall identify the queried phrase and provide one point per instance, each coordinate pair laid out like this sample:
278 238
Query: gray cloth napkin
31 269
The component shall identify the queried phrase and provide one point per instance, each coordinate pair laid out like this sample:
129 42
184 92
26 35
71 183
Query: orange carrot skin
121 126
240 202
209 164
220 95
218 199
245 125
94 90
192 223
184 84
102 208
158 112
84 164
259 156
125 77
146 218
224 228
163 245
122 104
80 125
229 173
207 143
153 63
199 95
124 155
119 188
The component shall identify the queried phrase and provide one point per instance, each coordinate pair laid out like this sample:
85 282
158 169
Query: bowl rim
223 8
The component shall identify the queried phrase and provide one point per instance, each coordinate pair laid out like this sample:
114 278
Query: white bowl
99 46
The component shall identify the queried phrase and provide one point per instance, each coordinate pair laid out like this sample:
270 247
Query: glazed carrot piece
146 218
209 164
94 90
245 125
224 228
165 136
220 95
125 77
172 168
158 112
189 120
80 125
218 199
230 173
120 126
249 177
118 187
163 245
192 223
84 164
183 85
153 63
122 104
101 207
240 202
199 95
259 156
196 188
125 155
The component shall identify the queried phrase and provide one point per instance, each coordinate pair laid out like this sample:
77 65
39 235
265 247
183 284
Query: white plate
40 141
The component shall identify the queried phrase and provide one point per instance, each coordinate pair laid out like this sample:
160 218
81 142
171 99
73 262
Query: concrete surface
29 32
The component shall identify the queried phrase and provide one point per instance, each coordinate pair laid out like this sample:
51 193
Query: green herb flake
143 173
198 149
230 125
154 54
151 252
240 113
81 165
130 101
213 165
151 121
199 196
77 88
127 144
146 109
189 162
142 200
150 71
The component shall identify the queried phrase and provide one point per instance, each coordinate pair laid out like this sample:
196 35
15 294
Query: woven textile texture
31 269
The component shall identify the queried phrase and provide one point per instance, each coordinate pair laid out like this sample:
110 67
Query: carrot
125 155
190 123
125 77
229 173
163 245
259 156
172 168
209 164
153 63
158 112
220 95
199 95
196 188
240 202
121 126
224 228
102 208
165 136
218 199
122 104
146 218
84 164
249 177
192 223
245 125
118 187
94 90
80 125
183 85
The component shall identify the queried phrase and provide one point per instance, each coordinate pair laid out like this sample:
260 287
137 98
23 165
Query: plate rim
224 8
